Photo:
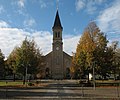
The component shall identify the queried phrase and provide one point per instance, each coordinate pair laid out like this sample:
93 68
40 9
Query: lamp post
24 74
88 69
94 75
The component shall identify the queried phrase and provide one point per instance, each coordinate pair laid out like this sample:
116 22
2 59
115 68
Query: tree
84 53
27 57
11 62
116 59
103 56
92 48
2 67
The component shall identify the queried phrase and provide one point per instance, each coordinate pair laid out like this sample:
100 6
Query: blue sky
35 18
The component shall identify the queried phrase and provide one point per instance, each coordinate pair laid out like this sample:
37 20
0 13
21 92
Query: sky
35 18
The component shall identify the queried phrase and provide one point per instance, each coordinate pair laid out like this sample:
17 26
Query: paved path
61 90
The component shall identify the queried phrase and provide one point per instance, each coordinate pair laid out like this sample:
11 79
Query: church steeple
57 29
57 23
57 53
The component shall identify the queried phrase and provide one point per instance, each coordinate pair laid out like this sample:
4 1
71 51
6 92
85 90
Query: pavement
60 90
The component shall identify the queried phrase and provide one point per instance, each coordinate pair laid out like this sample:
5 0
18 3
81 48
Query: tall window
58 34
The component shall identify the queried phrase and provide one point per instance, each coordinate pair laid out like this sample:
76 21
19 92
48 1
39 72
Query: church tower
57 46
57 61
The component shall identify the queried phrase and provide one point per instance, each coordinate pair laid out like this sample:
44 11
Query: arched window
58 34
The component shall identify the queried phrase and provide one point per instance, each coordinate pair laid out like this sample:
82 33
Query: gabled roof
70 57
57 23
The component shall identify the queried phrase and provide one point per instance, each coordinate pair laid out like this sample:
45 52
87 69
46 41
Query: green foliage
11 61
26 56
116 59
30 84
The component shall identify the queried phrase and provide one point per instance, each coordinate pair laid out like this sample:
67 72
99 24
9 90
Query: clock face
57 48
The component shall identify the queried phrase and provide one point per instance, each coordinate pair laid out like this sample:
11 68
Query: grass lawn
98 83
19 83
107 83
10 83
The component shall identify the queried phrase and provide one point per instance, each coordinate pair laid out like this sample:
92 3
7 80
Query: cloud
43 40
109 20
98 2
1 9
21 3
19 7
9 38
3 24
29 22
80 4
43 4
12 37
90 6
70 43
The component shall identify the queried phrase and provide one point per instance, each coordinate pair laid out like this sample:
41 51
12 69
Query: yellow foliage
86 45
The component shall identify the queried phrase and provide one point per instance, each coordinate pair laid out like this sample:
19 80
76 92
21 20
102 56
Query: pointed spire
57 23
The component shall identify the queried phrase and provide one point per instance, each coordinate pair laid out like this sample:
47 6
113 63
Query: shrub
37 82
30 84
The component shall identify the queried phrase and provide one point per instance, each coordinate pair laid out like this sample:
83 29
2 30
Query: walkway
61 90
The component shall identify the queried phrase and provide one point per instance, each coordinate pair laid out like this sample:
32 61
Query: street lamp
94 75
88 69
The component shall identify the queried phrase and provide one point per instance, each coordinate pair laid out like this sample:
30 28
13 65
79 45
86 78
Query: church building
58 62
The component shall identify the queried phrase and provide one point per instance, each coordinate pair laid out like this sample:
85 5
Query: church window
58 34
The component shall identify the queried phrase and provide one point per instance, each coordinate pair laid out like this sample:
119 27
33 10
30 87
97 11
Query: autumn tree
92 48
2 67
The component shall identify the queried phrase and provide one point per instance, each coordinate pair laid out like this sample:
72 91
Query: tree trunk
114 75
23 79
119 76
14 77
88 77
